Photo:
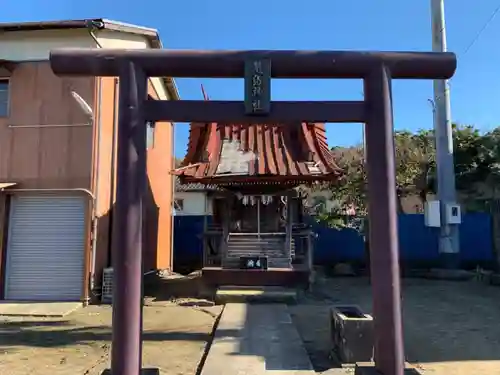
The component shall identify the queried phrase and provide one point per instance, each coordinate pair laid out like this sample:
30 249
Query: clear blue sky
314 24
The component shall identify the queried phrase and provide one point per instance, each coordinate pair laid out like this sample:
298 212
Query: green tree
350 191
415 160
477 169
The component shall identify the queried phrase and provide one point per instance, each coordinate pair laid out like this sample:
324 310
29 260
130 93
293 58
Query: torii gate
376 69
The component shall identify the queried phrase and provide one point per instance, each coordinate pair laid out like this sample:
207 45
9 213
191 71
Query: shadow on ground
174 340
61 334
450 327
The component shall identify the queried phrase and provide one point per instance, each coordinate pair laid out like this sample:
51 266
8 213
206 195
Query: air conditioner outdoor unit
107 286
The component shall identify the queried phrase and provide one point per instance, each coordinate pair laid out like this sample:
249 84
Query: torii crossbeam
376 69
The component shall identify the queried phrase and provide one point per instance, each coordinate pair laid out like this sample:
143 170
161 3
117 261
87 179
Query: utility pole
449 234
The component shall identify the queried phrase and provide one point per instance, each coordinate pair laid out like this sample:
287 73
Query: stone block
495 279
241 294
352 334
369 369
449 274
144 371
343 269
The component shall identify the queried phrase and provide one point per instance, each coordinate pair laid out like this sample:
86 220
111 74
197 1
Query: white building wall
194 203
36 45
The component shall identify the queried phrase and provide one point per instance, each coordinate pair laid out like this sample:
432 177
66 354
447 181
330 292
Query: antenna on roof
205 96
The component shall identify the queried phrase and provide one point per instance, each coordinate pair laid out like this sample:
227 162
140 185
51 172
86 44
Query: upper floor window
4 98
150 135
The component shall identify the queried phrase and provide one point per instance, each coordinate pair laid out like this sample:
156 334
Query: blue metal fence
188 244
418 243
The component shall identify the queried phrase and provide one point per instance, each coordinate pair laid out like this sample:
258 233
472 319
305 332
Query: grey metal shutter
46 248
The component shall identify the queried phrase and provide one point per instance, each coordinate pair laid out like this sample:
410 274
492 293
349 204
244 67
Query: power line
480 32
477 36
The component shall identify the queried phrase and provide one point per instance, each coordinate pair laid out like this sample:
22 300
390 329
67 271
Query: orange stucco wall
158 196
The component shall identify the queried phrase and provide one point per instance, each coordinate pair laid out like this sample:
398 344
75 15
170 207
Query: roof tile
293 151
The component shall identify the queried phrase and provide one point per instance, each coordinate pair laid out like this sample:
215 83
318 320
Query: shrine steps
284 277
262 294
272 247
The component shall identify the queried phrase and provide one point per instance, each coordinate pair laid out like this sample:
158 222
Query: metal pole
449 246
258 217
383 228
127 256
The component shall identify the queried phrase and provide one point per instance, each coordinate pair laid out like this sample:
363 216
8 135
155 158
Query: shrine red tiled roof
258 151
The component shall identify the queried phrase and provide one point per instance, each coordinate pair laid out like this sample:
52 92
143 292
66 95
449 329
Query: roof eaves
129 28
193 186
45 25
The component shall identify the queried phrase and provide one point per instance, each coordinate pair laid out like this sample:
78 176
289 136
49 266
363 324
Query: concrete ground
38 309
257 339
78 344
450 328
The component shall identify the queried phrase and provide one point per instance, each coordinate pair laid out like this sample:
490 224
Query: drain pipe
92 28
87 109
97 176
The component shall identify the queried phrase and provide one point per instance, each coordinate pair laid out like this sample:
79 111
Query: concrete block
352 334
144 371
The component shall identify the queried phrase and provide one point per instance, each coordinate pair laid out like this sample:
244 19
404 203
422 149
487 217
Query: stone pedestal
449 274
352 334
369 369
144 371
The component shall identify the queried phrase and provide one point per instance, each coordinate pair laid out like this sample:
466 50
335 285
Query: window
179 204
150 135
4 98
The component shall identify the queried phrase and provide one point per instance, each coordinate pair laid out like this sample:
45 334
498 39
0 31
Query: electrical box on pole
453 214
432 214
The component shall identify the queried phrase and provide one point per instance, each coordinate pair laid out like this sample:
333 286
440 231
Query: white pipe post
449 234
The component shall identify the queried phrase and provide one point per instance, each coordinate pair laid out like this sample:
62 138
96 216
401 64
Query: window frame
7 102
